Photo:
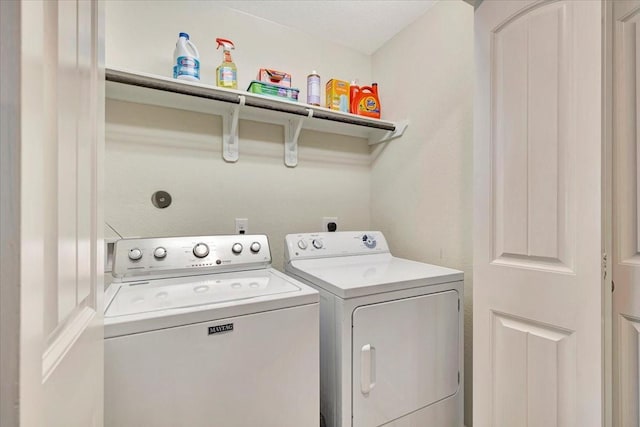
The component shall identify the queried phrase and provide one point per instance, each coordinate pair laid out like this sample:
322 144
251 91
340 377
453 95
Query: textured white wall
153 148
150 148
421 185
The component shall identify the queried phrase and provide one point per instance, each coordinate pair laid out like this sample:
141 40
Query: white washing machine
391 332
202 332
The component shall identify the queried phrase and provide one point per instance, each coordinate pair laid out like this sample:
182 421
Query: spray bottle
227 72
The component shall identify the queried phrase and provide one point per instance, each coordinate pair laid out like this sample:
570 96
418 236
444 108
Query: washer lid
355 276
165 303
167 294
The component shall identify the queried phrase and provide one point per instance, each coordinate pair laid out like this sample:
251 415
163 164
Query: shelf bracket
389 135
230 146
291 133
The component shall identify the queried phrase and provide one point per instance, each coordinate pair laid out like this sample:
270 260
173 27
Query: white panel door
405 356
626 221
538 281
61 143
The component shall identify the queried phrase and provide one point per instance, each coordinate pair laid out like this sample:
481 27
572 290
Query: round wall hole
161 199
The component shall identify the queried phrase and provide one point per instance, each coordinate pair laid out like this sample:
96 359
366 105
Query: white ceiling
363 25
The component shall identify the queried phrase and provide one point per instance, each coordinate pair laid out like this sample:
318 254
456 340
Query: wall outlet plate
329 219
242 225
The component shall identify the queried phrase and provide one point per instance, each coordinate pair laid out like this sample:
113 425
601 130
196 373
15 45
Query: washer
201 331
390 331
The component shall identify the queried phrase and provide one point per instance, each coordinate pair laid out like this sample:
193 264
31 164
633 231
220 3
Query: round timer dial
201 250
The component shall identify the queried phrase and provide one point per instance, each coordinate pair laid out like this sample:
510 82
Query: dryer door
405 356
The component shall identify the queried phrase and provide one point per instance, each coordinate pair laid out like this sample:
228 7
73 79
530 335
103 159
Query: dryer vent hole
161 199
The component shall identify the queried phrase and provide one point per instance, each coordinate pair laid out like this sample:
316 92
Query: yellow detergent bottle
227 72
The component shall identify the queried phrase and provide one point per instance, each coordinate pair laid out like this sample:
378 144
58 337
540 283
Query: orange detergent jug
364 100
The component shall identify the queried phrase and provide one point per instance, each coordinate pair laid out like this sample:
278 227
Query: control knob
302 244
135 254
236 248
201 250
255 247
160 252
317 244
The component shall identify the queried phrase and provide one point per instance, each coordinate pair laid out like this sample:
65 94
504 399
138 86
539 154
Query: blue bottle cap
185 35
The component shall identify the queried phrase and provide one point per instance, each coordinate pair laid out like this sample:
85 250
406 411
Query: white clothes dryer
391 332
202 332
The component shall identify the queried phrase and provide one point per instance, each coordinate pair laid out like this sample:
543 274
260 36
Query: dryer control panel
342 243
183 256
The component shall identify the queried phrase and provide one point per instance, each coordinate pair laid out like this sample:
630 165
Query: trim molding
10 18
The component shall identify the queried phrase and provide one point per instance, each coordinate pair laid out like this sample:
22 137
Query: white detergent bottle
186 60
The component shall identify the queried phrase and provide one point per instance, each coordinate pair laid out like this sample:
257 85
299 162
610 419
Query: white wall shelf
233 105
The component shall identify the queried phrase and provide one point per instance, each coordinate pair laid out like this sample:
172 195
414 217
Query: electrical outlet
242 226
327 220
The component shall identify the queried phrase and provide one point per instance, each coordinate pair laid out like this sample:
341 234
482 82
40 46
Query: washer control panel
315 245
181 256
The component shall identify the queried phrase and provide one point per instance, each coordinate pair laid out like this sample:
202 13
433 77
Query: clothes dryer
391 332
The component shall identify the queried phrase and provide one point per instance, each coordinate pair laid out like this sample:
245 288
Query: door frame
607 210
9 213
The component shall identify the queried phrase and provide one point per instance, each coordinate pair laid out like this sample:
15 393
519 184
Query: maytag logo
220 328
